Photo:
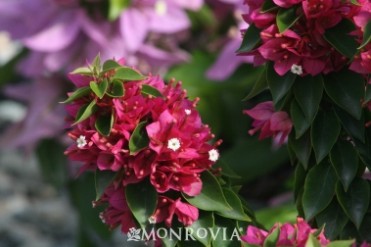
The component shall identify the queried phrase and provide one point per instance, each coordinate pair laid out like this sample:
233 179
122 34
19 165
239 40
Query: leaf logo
133 234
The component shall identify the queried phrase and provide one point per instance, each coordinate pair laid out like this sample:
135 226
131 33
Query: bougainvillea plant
317 60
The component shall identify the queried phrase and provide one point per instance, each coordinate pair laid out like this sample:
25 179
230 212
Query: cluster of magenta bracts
178 149
302 48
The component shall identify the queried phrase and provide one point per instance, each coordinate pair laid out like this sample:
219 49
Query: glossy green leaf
355 201
346 89
364 151
366 35
341 243
230 226
319 189
100 88
128 74
354 127
83 71
312 241
299 180
116 7
169 242
142 201
271 240
286 17
301 124
236 212
117 89
150 91
139 138
334 220
344 159
86 111
79 93
211 197
205 221
302 148
102 180
368 93
308 93
250 39
260 84
110 65
104 124
324 133
341 40
279 85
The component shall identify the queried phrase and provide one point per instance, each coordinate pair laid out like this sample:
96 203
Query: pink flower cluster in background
302 48
177 152
270 123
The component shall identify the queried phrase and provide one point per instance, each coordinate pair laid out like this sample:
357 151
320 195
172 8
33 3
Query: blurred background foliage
263 172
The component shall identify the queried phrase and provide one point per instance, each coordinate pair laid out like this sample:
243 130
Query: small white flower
213 155
188 111
152 220
161 7
173 144
296 69
81 141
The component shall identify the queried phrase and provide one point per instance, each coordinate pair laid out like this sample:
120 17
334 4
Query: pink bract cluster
176 153
302 47
289 234
270 123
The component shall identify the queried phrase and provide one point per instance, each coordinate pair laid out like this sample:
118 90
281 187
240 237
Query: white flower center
188 111
296 69
81 141
152 220
173 144
213 155
161 7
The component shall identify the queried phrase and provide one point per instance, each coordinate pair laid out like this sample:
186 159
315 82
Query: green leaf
102 180
366 35
150 91
260 84
340 39
211 197
226 170
117 89
279 85
110 65
236 212
301 124
268 6
205 221
96 64
116 7
142 201
139 138
271 240
83 71
354 127
346 89
324 133
319 189
104 124
334 220
230 228
344 159
368 93
355 201
99 88
302 148
286 18
341 243
250 39
79 93
85 112
128 74
312 241
308 93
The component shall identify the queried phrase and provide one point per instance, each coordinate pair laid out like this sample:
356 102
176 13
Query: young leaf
324 133
83 71
346 89
312 241
319 189
355 202
142 201
104 124
110 65
279 85
286 18
116 7
128 74
117 89
236 212
149 90
301 124
102 180
250 39
344 159
79 93
99 88
341 40
341 243
271 240
366 35
139 138
334 220
211 197
85 112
